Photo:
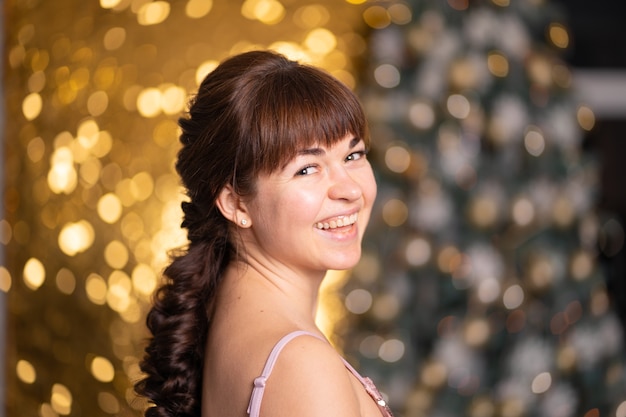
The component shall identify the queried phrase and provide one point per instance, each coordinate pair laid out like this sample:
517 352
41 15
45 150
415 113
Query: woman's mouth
341 221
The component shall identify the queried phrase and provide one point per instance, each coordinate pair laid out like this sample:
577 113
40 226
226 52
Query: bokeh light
26 372
61 399
76 237
34 273
102 369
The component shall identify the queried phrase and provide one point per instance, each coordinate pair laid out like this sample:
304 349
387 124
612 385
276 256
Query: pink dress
259 382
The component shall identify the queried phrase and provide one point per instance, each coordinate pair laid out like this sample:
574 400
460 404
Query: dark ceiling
598 30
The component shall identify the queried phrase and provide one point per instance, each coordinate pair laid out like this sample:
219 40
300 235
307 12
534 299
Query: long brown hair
250 116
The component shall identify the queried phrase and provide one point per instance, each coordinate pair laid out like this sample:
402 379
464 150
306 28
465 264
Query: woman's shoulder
306 346
309 378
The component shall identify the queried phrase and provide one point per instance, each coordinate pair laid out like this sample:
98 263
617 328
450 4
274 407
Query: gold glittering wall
91 201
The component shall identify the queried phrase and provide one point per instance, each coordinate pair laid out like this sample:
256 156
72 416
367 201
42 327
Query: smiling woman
280 191
310 215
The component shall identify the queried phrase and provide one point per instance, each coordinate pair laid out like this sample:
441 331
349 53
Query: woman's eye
354 156
308 170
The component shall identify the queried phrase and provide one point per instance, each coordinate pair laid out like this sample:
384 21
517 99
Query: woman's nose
344 187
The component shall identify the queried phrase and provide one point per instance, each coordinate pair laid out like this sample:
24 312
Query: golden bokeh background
474 264
92 202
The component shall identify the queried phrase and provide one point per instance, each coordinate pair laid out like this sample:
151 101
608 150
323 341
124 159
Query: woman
280 191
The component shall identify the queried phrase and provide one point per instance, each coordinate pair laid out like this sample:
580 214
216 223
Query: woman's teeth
340 222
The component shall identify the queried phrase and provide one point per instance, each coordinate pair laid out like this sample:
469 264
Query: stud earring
244 222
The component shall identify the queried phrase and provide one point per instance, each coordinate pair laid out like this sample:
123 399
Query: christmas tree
479 292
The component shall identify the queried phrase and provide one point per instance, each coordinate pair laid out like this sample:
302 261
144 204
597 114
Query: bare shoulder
310 380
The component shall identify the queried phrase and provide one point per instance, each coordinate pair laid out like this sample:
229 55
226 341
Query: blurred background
494 270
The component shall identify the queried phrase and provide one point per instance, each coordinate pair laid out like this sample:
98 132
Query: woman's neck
293 294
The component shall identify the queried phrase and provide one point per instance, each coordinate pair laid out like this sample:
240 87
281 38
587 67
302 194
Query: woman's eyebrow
304 152
316 151
312 151
355 141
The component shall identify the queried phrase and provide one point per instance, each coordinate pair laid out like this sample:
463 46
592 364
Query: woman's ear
232 207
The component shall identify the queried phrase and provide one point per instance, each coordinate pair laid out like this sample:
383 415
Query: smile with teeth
339 222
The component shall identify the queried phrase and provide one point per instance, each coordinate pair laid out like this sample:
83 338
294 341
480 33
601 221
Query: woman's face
310 215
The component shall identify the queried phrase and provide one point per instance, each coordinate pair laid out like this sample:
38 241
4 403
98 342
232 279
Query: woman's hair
250 116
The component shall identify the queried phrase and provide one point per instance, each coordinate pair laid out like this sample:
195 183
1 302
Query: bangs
295 108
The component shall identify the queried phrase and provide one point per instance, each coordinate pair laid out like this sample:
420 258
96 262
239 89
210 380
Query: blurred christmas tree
479 292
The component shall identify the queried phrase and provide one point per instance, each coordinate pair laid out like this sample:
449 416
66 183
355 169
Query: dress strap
258 389
371 389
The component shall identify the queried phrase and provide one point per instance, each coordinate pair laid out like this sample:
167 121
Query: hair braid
179 321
